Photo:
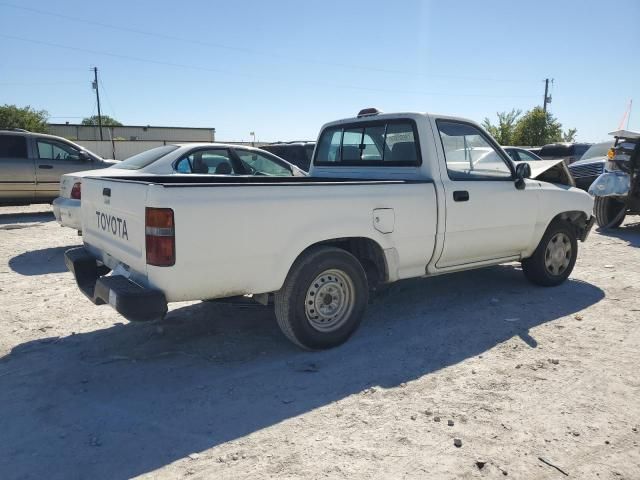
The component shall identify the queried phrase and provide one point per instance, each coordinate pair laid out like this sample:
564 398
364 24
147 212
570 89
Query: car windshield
145 158
597 150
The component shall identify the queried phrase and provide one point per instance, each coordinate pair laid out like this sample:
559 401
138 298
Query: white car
389 197
174 159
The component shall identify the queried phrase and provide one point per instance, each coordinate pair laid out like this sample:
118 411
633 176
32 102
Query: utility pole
95 86
547 98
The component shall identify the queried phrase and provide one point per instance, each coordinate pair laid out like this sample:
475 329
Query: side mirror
82 155
523 170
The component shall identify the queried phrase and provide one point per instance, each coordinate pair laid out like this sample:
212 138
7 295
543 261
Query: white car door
487 217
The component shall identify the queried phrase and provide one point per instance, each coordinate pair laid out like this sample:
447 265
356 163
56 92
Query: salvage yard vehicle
31 165
617 189
591 165
174 159
298 153
568 151
389 197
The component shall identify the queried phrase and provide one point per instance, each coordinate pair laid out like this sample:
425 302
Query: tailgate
113 216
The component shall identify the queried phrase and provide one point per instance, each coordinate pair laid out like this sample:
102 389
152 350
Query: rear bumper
67 212
133 302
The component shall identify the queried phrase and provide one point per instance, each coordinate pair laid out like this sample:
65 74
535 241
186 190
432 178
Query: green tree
27 118
107 121
569 135
504 131
538 128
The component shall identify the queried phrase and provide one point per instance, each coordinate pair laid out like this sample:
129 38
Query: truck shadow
26 217
40 262
126 400
629 232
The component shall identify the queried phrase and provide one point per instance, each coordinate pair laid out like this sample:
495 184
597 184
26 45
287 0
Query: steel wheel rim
329 300
557 255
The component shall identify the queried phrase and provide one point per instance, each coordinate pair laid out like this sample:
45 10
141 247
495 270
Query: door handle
45 167
461 196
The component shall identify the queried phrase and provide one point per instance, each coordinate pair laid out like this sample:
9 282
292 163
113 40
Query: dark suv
31 165
298 153
569 152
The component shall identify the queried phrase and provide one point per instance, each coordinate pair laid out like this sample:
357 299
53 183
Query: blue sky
282 68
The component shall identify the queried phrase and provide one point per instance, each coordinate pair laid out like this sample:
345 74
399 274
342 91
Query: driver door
54 159
487 218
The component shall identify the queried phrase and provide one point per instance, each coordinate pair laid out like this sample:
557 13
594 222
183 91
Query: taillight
76 191
160 237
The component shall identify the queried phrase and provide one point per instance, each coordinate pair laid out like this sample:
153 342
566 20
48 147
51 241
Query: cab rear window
384 144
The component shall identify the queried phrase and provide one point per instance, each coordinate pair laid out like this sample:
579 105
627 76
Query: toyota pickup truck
389 197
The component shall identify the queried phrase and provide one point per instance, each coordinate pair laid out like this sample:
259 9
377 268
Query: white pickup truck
389 197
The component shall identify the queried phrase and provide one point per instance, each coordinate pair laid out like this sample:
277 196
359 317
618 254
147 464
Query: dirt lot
217 392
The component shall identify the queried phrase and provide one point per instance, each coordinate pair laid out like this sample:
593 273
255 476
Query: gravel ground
515 372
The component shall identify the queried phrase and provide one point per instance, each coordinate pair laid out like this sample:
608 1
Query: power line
249 50
250 76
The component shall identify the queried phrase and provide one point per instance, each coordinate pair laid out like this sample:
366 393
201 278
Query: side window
48 150
376 144
469 155
13 146
258 164
212 162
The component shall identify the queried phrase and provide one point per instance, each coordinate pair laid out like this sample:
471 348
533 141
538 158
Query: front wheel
609 211
323 298
554 258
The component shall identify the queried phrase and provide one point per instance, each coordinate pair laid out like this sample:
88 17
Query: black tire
544 267
345 284
609 211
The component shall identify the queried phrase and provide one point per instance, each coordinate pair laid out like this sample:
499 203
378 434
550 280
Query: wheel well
368 252
577 219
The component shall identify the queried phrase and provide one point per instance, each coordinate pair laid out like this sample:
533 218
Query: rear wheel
323 298
554 258
609 211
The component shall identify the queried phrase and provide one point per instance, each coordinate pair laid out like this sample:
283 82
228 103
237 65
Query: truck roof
394 115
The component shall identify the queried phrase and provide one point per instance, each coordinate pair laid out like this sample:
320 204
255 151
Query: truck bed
233 241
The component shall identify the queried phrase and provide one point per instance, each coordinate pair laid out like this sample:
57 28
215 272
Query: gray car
31 165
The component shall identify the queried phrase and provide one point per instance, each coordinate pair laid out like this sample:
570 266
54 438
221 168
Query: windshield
597 150
145 158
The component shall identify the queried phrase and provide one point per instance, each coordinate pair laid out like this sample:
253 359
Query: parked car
534 150
591 165
298 153
174 159
385 201
31 165
617 190
569 152
519 154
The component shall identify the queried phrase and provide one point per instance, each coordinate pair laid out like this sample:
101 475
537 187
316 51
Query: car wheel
553 260
609 211
323 298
